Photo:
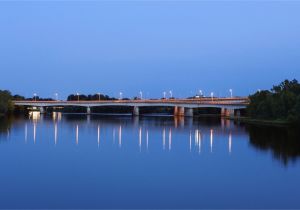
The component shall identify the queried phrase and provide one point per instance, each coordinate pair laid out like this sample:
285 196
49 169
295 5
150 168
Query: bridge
182 107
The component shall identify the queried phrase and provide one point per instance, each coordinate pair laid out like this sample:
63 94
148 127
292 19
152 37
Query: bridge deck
192 103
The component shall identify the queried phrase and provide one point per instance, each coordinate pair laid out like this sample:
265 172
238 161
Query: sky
66 47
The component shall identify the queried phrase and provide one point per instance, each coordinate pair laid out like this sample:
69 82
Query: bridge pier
228 112
223 112
189 112
136 111
181 111
175 110
178 111
88 110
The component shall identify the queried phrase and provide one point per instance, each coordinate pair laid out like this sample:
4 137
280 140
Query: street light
164 93
56 96
171 94
34 96
121 95
230 90
200 93
99 96
212 96
77 96
141 94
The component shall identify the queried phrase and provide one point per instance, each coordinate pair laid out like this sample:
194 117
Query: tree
281 103
6 104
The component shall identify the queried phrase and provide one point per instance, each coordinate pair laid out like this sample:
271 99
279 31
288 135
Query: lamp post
121 95
200 93
212 96
99 96
141 94
77 96
56 96
164 94
230 90
34 96
171 94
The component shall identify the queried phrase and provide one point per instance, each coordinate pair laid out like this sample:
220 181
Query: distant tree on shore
282 102
6 104
94 97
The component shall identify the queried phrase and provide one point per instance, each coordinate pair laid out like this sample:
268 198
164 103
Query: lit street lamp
34 96
56 96
99 96
230 90
164 94
200 93
121 95
212 96
77 96
141 94
171 94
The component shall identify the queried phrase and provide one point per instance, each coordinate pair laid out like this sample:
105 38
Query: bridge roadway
182 107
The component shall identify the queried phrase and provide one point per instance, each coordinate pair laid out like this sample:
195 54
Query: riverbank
262 122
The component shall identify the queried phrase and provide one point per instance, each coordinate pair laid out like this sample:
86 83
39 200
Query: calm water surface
78 161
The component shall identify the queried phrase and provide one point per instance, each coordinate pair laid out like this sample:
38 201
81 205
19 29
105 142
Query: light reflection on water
78 161
143 132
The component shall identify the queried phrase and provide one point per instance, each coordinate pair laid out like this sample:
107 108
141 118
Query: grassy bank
263 122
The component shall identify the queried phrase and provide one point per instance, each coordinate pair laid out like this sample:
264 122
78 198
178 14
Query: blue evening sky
153 46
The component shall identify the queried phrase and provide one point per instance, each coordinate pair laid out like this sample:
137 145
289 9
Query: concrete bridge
182 107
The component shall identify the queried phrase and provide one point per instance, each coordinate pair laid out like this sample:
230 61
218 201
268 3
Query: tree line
281 103
94 97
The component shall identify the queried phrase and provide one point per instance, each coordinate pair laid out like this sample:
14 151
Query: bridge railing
224 101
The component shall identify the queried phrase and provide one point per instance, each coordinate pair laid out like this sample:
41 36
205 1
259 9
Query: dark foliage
6 104
94 97
282 102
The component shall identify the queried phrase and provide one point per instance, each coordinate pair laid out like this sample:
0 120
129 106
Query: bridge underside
226 111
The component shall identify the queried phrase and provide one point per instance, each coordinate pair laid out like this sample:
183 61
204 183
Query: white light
171 94
230 90
56 96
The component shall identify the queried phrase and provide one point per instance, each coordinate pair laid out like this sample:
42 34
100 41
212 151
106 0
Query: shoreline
278 123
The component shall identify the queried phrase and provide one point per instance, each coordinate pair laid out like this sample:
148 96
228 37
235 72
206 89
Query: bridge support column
189 112
181 111
176 111
229 112
42 110
136 111
88 110
223 112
